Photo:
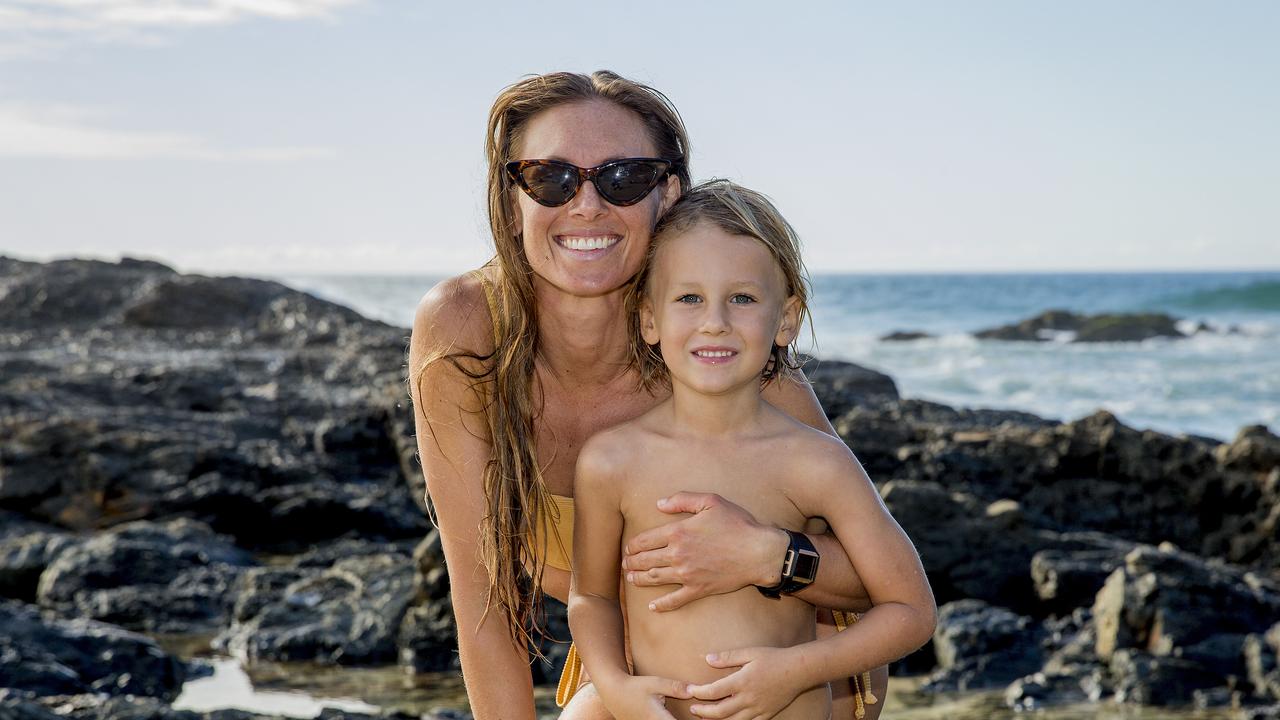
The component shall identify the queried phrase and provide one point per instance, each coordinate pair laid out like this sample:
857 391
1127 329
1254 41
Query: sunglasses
622 182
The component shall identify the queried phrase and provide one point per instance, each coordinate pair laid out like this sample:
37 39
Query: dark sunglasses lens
550 184
627 183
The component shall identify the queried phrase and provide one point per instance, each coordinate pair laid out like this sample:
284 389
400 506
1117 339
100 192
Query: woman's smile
587 245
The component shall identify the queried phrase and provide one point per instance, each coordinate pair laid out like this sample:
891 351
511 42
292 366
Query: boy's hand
643 697
720 549
763 685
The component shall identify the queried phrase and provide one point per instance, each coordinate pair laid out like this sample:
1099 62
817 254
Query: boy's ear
790 326
648 325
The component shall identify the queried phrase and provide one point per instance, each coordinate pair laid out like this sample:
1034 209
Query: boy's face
717 304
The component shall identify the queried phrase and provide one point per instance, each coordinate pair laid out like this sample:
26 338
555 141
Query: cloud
61 131
29 27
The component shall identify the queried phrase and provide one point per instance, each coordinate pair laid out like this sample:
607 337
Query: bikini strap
491 297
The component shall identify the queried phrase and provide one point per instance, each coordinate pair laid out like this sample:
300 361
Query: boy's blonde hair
737 211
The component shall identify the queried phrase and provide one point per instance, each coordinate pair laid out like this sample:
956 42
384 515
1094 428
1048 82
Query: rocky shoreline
232 458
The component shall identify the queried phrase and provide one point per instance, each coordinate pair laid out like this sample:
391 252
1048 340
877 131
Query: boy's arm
901 620
595 616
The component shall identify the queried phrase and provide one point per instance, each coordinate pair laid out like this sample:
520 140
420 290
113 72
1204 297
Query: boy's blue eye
689 298
742 299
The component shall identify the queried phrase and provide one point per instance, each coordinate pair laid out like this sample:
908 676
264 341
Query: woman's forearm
837 586
496 670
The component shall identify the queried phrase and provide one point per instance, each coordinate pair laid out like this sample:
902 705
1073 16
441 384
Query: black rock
24 558
54 657
159 577
841 386
904 336
982 646
349 613
1115 327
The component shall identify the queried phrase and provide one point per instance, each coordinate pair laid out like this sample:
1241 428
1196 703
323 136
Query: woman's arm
722 548
453 449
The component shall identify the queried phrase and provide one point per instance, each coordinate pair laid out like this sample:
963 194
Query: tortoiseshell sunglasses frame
516 168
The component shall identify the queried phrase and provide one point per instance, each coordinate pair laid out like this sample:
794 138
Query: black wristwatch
799 567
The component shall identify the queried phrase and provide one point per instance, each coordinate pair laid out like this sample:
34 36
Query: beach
214 479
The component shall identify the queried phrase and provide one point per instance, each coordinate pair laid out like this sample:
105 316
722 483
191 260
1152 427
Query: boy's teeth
588 243
714 353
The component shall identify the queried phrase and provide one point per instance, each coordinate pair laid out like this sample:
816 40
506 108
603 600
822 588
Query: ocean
1210 384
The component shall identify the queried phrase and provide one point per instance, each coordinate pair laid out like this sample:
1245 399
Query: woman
513 366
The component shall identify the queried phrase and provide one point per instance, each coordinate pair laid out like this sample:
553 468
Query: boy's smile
717 304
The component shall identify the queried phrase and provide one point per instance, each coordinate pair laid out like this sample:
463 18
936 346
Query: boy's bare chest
759 480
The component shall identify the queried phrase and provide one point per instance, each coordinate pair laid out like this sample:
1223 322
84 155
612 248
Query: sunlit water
300 691
1210 384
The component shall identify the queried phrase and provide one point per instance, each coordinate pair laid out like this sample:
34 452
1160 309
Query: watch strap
799 566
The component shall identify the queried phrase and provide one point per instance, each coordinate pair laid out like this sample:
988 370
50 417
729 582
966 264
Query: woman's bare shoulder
454 317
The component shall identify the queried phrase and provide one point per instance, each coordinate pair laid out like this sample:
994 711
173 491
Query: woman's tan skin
586 385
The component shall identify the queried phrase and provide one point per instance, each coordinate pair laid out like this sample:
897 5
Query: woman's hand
720 549
765 682
643 697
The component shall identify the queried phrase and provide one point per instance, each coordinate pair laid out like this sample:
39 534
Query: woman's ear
790 326
648 323
670 194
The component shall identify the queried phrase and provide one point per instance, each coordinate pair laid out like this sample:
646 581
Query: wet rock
24 558
1164 600
53 657
239 402
159 577
1144 679
904 336
1179 621
348 613
1261 665
969 550
982 646
843 385
1069 579
1111 327
427 640
1040 690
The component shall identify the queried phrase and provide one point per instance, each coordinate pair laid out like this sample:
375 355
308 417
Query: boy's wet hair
737 211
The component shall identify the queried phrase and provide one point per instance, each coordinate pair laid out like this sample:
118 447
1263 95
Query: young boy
719 307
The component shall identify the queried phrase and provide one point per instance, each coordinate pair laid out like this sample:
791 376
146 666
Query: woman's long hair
512 542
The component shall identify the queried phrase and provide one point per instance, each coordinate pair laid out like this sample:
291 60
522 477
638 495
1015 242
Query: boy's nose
715 321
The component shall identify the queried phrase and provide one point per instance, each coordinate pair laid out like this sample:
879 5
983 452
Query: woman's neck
582 340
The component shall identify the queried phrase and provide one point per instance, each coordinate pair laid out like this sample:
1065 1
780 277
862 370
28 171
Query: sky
274 137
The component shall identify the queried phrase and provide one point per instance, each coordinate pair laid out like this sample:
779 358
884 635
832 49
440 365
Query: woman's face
588 246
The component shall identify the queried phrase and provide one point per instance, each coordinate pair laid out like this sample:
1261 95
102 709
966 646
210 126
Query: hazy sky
299 136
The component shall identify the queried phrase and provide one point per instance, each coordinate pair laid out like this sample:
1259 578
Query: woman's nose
587 204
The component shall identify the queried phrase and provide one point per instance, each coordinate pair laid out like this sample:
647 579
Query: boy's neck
733 412
582 339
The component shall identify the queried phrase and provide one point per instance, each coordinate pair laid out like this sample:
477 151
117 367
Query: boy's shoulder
812 448
610 451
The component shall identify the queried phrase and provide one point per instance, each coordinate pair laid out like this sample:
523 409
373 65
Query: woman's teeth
713 353
587 243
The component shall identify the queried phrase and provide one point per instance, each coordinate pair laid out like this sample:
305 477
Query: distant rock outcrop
1109 327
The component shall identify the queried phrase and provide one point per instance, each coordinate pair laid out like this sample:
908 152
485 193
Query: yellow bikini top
559 515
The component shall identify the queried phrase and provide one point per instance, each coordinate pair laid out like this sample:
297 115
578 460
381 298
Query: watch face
805 568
